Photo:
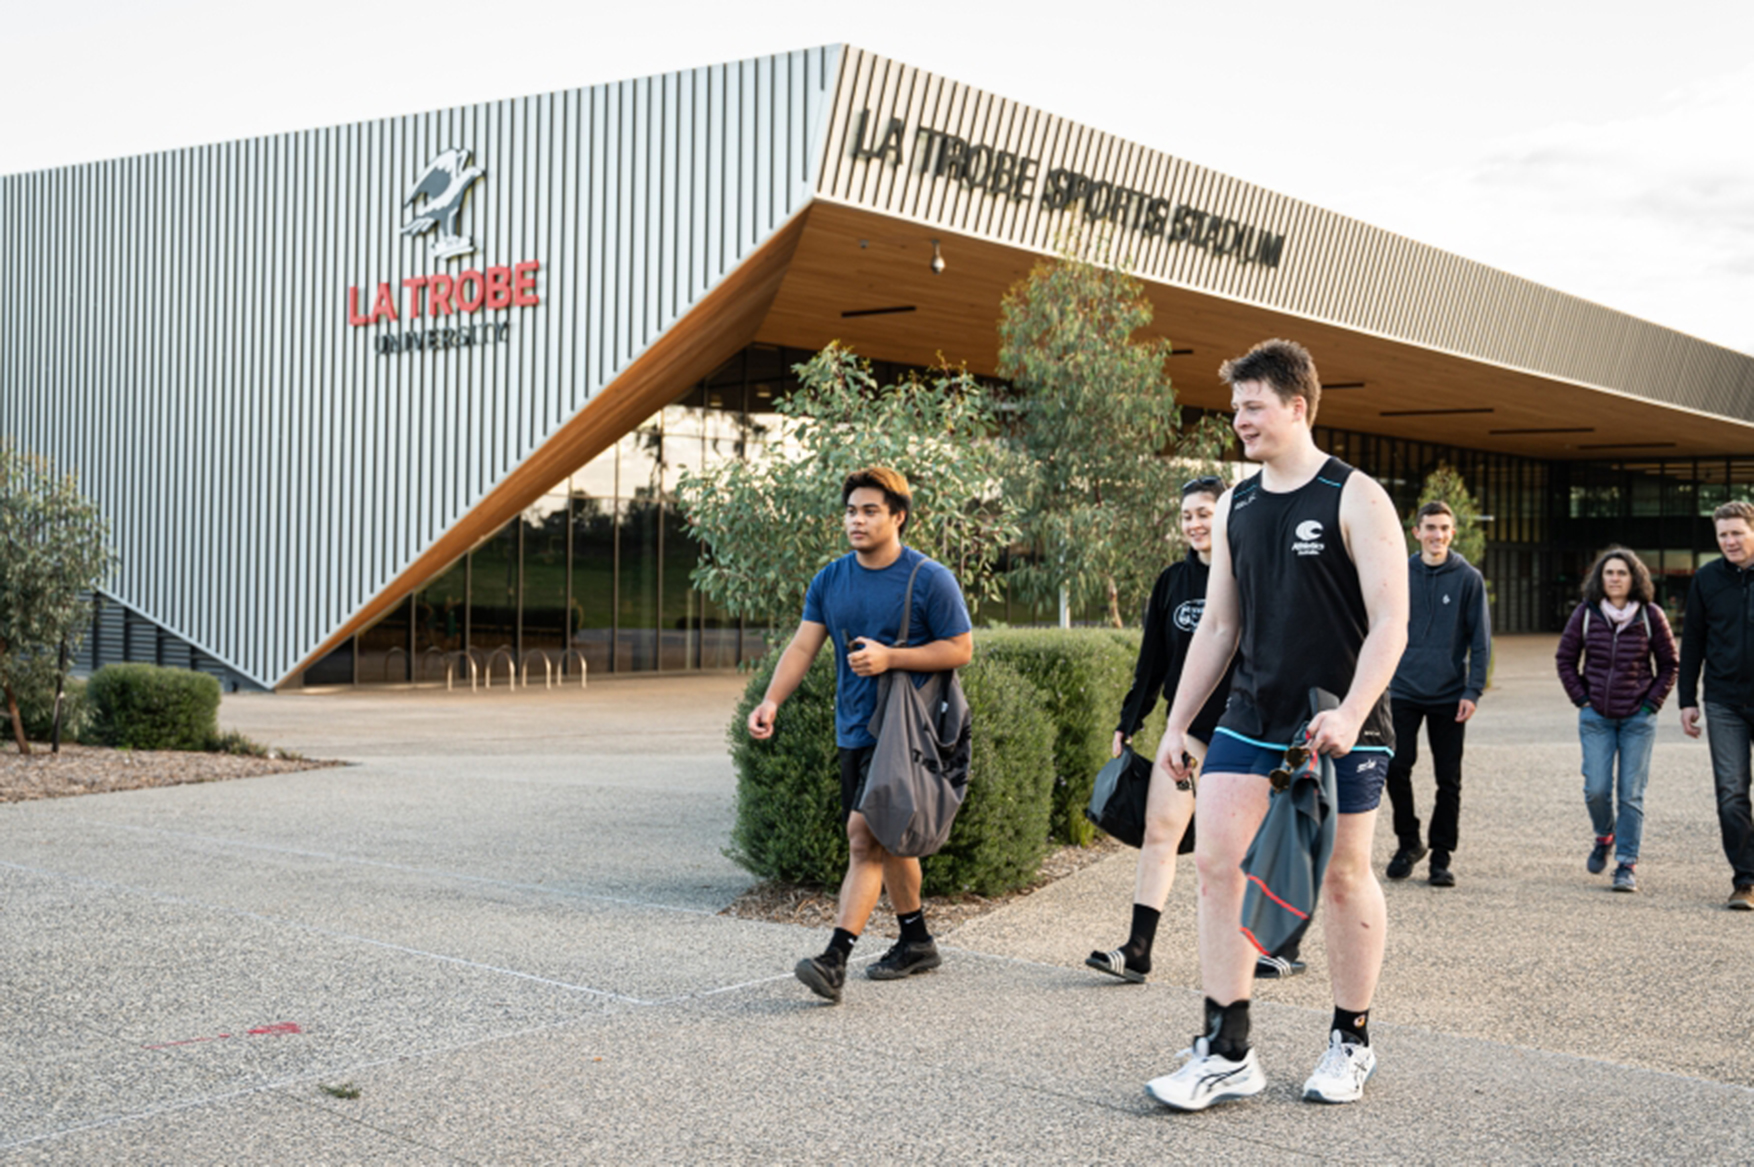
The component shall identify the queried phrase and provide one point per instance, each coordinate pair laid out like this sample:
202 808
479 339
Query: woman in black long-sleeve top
1171 615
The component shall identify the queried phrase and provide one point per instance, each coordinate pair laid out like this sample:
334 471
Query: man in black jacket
1438 682
1718 633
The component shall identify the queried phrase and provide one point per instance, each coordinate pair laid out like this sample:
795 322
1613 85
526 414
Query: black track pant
1445 734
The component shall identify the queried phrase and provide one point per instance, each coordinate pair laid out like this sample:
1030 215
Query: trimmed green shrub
1001 832
36 706
788 823
145 707
1150 733
1083 675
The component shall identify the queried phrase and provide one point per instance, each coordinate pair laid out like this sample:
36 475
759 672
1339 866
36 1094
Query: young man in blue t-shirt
857 600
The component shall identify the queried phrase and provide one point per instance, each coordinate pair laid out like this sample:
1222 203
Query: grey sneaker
824 977
1598 860
1624 880
905 959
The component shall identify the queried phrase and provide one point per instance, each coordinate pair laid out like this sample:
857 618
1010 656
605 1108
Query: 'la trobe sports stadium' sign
1005 174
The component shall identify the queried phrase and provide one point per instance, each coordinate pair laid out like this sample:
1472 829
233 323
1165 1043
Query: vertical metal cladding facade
1331 268
179 326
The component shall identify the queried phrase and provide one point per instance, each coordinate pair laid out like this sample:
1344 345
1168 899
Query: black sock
1137 950
1227 1029
913 926
1353 1027
841 946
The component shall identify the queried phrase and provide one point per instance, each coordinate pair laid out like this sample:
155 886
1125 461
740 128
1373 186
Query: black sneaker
904 960
1401 866
1440 875
823 977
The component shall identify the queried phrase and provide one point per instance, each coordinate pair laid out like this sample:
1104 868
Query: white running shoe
1206 1078
1341 1074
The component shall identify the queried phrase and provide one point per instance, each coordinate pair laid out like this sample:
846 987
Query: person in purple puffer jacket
1617 662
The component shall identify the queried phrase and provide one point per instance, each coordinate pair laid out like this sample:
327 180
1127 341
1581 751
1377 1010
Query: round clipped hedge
788 824
145 707
1083 675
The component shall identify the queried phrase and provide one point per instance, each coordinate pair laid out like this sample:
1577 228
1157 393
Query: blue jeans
1631 738
1729 734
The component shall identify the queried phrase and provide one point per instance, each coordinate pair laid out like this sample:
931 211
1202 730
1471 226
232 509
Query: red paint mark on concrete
275 1030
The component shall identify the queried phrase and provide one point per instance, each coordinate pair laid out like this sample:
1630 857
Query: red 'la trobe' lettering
383 308
468 291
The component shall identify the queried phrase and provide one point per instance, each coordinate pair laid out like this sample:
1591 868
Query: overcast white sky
1599 147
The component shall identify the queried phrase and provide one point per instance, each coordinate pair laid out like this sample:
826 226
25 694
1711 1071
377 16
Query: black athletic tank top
1303 616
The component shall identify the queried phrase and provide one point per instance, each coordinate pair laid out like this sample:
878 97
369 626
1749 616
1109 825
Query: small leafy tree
1103 453
767 525
53 547
1445 484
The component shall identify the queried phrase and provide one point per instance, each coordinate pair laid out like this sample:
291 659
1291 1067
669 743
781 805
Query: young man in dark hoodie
1439 682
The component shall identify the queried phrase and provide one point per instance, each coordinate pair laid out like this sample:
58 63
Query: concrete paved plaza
501 926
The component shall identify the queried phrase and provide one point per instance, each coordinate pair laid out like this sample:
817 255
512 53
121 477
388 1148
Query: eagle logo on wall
444 184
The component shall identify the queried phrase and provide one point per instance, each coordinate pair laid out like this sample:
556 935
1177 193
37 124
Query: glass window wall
598 569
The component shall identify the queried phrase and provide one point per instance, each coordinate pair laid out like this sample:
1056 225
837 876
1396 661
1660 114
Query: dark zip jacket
1615 677
1449 634
1718 632
1171 615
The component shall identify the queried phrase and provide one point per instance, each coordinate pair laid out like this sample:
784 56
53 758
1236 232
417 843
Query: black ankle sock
841 946
1353 1027
913 926
1138 946
1227 1029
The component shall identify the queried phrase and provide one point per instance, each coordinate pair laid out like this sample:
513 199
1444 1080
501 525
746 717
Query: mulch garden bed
813 907
97 770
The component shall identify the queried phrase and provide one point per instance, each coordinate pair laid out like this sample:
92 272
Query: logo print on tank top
1309 535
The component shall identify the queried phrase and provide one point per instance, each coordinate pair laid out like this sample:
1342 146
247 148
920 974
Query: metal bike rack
451 659
583 665
430 651
547 667
510 664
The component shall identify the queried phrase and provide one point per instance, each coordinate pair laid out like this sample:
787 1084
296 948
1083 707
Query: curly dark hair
1642 589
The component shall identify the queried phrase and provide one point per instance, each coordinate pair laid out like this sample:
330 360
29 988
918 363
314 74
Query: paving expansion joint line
290 1082
404 867
393 1135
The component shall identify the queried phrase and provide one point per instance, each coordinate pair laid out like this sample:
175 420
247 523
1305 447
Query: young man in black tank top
1308 587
